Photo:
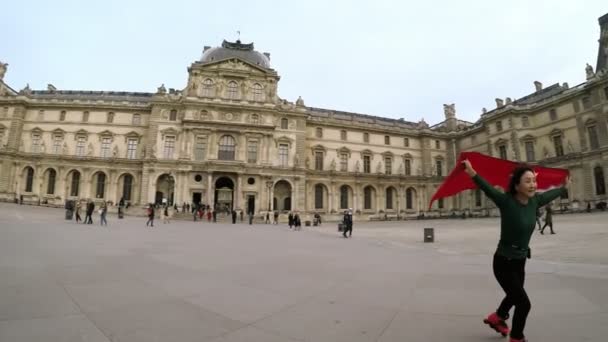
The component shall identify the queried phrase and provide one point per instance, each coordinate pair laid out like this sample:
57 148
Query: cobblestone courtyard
188 281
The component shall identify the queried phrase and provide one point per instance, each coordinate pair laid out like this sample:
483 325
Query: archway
346 197
224 194
165 189
282 196
410 199
125 187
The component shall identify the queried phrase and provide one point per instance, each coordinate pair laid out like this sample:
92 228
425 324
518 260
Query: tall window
498 126
169 147
557 144
409 198
40 115
343 135
367 198
365 137
477 198
525 121
207 88
502 150
252 152
110 117
553 114
127 185
62 115
406 142
440 203
284 123
530 151
85 116
593 140
387 140
586 102
29 181
389 198
319 160
318 196
50 186
136 121
408 167
232 90
105 147
227 148
57 140
437 144
36 140
439 167
388 166
606 93
75 183
200 148
600 185
258 93
344 197
173 115
343 162
132 148
367 161
283 155
319 132
80 145
101 185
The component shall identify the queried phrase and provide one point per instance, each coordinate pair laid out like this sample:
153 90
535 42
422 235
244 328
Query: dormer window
258 93
233 90
173 115
208 88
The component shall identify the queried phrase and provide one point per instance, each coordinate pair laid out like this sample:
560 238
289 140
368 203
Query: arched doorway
282 196
224 194
165 189
125 187
410 199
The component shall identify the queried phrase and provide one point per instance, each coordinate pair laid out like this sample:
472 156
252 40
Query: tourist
150 213
518 221
78 206
241 214
233 216
166 214
538 216
267 218
348 223
102 214
208 215
88 219
214 214
290 219
548 220
297 223
276 217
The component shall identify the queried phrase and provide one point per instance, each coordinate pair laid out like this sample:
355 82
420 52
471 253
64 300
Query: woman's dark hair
516 177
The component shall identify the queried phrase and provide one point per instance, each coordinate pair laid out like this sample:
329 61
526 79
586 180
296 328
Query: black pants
511 275
348 229
550 224
88 219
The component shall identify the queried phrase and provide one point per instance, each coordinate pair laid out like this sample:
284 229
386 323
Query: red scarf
495 171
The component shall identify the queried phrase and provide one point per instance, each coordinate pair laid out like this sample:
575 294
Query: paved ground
202 282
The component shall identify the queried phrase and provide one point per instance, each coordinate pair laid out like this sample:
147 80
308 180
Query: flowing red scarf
495 171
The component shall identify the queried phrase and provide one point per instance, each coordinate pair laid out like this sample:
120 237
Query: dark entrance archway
165 189
224 194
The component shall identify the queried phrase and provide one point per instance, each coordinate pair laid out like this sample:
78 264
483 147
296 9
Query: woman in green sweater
517 222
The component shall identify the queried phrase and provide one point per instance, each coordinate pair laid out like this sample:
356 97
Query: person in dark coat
233 216
290 219
538 216
348 223
276 218
548 220
214 215
296 222
241 214
90 209
267 218
150 216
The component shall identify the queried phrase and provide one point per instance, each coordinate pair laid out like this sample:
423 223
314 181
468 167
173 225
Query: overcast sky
396 59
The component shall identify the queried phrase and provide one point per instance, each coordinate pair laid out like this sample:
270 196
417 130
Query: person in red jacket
518 208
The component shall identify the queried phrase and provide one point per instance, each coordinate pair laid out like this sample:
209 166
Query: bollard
429 235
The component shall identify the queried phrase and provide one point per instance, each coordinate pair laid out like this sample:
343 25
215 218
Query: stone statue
422 124
484 110
26 90
300 102
570 147
21 146
509 101
244 89
42 148
401 169
219 83
332 166
115 151
307 163
357 166
90 150
161 90
565 85
449 110
270 90
379 167
545 152
64 149
296 160
51 88
3 67
589 71
499 103
153 151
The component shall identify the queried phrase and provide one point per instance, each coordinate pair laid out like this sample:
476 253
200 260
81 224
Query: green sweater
517 221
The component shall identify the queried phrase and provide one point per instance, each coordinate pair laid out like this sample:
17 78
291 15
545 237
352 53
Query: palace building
227 139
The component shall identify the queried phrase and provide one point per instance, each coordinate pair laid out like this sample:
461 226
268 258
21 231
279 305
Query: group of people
548 219
293 220
89 210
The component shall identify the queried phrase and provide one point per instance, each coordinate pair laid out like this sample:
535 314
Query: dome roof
239 50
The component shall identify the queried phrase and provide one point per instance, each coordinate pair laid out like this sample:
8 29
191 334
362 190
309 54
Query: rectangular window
552 114
57 144
406 142
283 154
525 121
132 148
593 139
499 126
173 115
85 116
40 115
437 144
586 100
136 119
343 162
367 161
169 147
252 152
408 167
366 137
388 166
557 144
110 117
319 132
284 123
502 151
387 140
36 143
440 203
80 145
319 161
439 167
530 151
343 134
200 148
105 147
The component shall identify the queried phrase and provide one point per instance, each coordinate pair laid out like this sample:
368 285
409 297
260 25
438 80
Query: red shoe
499 324
517 339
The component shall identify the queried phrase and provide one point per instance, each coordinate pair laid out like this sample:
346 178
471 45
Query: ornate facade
229 140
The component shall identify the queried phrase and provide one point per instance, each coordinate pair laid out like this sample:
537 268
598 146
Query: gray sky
400 59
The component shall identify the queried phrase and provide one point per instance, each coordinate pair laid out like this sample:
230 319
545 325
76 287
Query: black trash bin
340 226
307 223
69 214
429 234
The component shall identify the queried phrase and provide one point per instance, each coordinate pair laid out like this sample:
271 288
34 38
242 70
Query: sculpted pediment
236 64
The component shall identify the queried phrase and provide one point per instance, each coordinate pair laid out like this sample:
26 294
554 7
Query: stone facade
228 139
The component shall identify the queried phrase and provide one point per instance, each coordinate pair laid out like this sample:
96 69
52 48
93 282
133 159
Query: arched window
101 185
29 181
232 92
389 198
600 185
75 183
258 94
173 115
127 185
318 196
409 198
367 197
284 123
344 197
227 147
50 186
208 88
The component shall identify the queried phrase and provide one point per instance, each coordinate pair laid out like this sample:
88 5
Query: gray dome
239 50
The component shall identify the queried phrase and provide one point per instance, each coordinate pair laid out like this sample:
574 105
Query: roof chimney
538 86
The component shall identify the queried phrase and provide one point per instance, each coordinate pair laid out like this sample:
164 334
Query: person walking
150 213
297 223
290 219
548 220
102 214
347 227
78 206
241 214
267 218
166 215
233 216
539 214
517 223
88 219
276 217
214 214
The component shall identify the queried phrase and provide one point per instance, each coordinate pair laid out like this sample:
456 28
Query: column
144 184
238 192
331 196
294 195
210 191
